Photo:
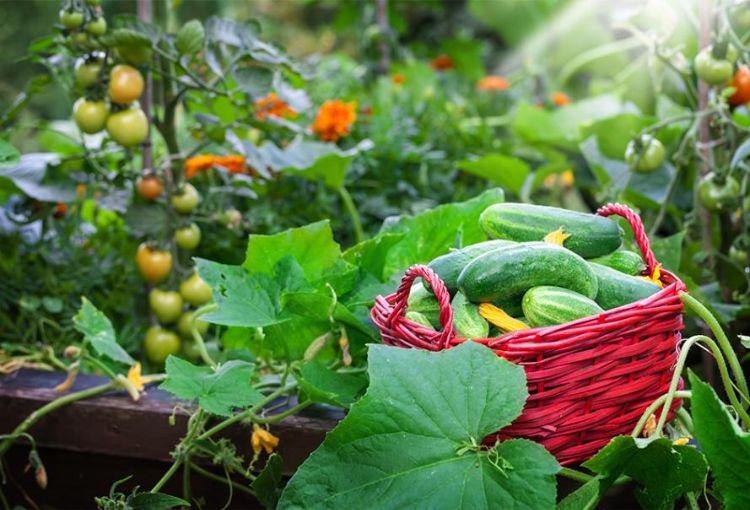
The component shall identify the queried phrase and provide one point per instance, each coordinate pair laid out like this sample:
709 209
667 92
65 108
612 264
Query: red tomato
741 82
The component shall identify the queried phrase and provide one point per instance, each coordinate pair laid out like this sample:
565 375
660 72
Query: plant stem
280 416
170 472
575 475
651 409
353 214
248 412
197 336
52 406
193 424
212 476
721 337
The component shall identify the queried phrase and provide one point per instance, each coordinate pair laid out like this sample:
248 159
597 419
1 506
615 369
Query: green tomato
88 71
185 199
712 70
166 305
190 350
739 256
195 291
183 325
128 127
97 27
90 116
188 237
71 19
645 154
160 343
717 194
80 39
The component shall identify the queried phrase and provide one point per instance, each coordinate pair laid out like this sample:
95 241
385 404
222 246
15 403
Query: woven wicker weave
588 380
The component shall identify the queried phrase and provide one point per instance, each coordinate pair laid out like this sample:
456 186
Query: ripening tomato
71 19
160 343
166 305
150 187
195 291
128 127
87 71
185 199
741 82
718 193
153 264
97 26
644 154
90 116
186 319
188 237
125 84
713 70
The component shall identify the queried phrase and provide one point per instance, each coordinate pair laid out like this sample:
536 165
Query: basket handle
638 231
438 288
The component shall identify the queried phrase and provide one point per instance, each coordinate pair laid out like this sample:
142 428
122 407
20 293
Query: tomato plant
188 237
159 344
166 305
186 199
128 127
154 264
645 154
125 84
90 116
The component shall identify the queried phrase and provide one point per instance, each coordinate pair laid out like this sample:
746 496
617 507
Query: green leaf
8 153
506 171
664 471
242 299
321 384
668 250
724 444
218 391
190 37
534 124
97 330
155 501
126 37
312 246
614 133
29 176
267 485
583 498
370 255
413 439
434 232
256 81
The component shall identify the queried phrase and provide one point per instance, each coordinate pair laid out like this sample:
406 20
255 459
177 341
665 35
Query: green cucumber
450 265
419 318
422 300
590 235
549 306
466 319
504 275
618 289
625 261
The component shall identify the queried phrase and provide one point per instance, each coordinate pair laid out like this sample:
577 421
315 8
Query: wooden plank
113 424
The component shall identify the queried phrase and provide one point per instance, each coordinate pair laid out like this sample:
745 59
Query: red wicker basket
588 380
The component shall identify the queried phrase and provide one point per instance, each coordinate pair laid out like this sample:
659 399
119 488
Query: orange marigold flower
442 63
398 78
334 119
493 83
560 99
272 106
235 164
198 164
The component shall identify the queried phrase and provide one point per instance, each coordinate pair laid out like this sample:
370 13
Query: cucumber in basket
625 261
590 235
422 300
450 265
419 318
618 289
466 319
504 275
549 306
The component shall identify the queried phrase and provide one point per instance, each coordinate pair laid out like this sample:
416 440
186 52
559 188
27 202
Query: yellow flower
493 83
263 440
650 427
655 276
134 376
334 119
557 237
498 317
681 441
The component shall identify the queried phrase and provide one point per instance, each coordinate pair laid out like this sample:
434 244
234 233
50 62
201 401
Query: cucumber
422 300
450 265
504 275
625 261
590 235
549 306
618 289
466 319
419 318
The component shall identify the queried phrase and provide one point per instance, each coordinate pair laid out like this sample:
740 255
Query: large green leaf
726 446
434 232
217 391
322 384
267 485
505 171
8 153
312 246
29 176
413 439
614 133
664 471
668 250
98 332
